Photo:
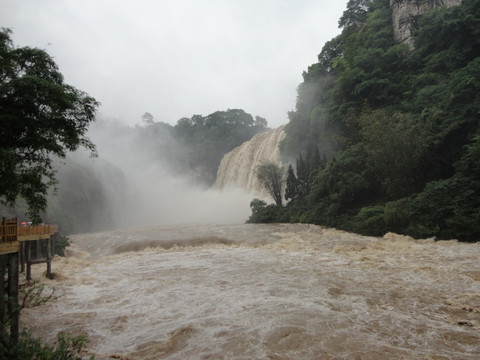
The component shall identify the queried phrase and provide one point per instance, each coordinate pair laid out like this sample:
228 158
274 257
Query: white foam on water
264 292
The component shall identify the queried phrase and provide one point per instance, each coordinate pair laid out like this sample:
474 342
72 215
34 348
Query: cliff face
237 169
407 12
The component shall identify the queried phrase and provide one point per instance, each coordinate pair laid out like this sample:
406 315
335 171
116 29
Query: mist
139 179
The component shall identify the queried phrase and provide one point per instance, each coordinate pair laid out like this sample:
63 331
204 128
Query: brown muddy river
264 292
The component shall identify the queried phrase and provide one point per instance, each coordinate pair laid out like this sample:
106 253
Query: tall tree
271 177
291 189
355 14
40 117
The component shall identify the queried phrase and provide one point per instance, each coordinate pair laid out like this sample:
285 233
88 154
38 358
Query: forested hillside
399 128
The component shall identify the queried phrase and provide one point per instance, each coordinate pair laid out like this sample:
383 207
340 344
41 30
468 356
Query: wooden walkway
11 234
20 245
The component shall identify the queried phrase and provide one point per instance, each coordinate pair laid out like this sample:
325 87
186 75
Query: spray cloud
144 182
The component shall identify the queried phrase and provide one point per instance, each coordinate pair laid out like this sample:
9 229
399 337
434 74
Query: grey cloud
182 57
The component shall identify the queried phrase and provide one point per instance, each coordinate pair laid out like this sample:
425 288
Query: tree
263 213
147 119
355 13
291 190
331 50
68 346
261 122
271 177
208 138
40 117
396 148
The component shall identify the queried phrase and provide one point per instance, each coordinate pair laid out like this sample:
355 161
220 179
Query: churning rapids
264 292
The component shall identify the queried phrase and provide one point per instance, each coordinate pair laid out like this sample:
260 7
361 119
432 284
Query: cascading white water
237 169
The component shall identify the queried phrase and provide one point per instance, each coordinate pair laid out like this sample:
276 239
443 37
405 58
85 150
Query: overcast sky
177 58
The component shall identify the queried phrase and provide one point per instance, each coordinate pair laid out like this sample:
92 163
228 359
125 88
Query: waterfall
238 167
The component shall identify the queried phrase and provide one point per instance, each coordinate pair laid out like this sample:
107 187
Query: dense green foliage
68 347
40 117
400 128
207 139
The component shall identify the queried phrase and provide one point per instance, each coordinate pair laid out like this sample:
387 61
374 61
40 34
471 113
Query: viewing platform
12 234
34 243
19 245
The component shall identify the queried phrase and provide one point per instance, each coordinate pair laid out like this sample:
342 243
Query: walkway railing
8 229
25 232
9 236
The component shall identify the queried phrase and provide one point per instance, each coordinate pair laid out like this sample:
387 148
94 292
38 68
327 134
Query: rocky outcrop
406 13
238 167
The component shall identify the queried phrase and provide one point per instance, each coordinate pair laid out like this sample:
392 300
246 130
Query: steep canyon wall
237 169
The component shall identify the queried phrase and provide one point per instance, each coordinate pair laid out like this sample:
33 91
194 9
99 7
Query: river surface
264 292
